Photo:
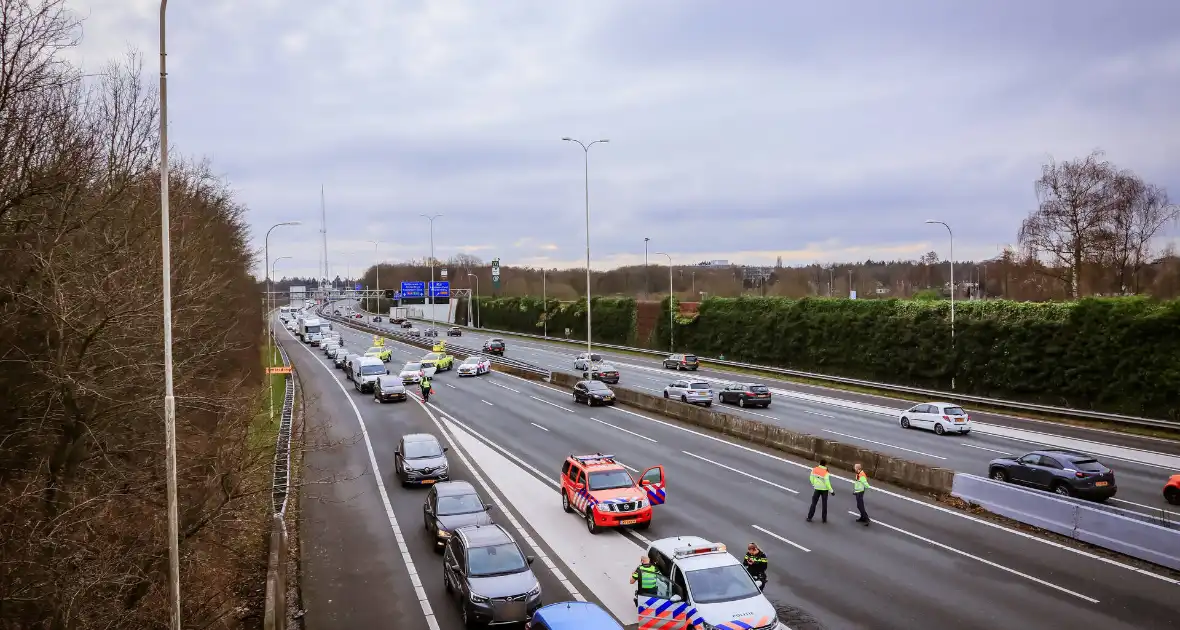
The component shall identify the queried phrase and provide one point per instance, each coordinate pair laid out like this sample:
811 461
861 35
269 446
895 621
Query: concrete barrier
275 610
1105 526
880 467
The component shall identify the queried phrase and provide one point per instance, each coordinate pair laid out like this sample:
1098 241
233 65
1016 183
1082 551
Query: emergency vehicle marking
657 613
655 494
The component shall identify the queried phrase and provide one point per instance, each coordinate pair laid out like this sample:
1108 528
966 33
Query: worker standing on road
424 383
821 483
859 485
644 578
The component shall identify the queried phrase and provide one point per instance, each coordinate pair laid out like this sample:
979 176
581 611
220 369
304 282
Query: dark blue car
572 616
1067 473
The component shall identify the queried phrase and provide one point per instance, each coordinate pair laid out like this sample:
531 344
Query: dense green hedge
1114 354
613 319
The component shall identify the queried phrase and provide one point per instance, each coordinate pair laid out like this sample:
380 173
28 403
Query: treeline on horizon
83 529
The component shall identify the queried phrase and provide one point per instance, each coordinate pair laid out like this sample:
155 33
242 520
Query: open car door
653 483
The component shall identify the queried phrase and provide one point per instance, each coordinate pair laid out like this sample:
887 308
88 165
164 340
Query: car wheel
591 526
576 401
683 398
565 502
999 474
938 429
643 526
447 583
426 523
665 393
1172 495
766 406
1062 489
905 423
741 402
709 403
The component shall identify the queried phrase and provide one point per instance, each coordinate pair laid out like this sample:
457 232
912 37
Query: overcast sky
738 130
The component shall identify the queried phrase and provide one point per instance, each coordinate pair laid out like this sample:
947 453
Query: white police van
713 587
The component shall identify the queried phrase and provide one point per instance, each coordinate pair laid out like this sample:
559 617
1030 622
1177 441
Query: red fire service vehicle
604 493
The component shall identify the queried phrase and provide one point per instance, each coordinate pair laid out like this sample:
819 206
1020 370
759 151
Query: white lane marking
520 530
742 472
816 413
486 402
538 426
634 470
504 386
900 448
772 534
984 561
622 429
419 592
762 415
552 404
451 386
1149 507
914 501
984 448
520 462
650 389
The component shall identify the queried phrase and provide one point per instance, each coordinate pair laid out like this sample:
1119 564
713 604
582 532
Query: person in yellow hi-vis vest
821 483
859 485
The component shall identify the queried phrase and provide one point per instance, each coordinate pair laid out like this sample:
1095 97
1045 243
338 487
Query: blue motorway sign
397 295
440 289
414 289
358 286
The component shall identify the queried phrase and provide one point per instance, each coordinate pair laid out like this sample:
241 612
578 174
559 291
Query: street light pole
544 304
476 298
169 394
646 283
586 163
270 381
429 292
377 258
671 315
952 265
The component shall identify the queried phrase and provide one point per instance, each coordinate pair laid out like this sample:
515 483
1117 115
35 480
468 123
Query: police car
604 493
572 616
706 585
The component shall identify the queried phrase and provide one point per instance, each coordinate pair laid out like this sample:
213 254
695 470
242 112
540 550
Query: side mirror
397 452
644 482
446 448
530 559
488 507
676 598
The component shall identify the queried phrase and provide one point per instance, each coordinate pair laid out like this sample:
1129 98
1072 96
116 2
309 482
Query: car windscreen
375 350
412 367
459 504
1086 465
312 329
422 450
597 386
610 479
495 560
720 584
372 370
760 389
954 411
698 385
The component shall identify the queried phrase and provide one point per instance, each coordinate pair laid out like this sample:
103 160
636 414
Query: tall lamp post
646 284
586 154
471 275
671 314
429 291
377 260
169 394
545 303
951 261
270 381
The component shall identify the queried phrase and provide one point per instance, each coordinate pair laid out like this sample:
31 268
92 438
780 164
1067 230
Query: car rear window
698 386
1087 465
954 411
759 389
690 358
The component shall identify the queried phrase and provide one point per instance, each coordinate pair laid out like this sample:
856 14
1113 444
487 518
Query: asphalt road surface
1142 464
920 565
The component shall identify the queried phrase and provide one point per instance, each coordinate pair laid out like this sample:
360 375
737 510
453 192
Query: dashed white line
984 561
552 404
486 402
900 448
451 386
817 413
504 386
984 448
622 429
774 535
1149 507
741 472
538 426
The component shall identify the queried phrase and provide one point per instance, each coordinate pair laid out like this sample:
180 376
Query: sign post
496 275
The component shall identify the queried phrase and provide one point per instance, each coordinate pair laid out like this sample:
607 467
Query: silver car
583 361
690 391
486 572
340 358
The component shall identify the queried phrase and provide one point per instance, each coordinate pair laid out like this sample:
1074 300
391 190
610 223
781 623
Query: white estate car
690 391
939 417
705 576
412 372
474 366
583 360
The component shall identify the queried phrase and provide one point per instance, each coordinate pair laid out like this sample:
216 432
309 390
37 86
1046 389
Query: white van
365 372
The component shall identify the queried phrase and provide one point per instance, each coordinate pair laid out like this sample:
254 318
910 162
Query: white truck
398 314
309 330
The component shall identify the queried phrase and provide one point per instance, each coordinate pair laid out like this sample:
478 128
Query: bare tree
1140 210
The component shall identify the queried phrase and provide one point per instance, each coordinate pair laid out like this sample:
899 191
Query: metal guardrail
275 606
282 463
928 394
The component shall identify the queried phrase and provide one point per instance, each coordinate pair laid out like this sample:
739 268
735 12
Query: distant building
757 273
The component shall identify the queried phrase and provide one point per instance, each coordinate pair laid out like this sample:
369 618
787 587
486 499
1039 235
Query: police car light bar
591 458
684 552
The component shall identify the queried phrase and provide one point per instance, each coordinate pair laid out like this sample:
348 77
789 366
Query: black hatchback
1067 473
494 346
745 395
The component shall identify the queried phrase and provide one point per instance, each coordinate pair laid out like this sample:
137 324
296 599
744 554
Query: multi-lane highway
920 565
1141 464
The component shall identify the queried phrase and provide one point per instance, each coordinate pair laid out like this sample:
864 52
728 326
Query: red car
1172 490
604 493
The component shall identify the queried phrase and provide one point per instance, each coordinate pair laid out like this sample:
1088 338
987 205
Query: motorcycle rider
756 563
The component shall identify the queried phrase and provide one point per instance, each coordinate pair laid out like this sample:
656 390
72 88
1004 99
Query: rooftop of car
484 535
1064 453
668 547
451 488
594 384
576 614
419 437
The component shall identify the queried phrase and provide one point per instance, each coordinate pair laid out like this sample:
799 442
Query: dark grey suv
484 569
451 505
420 459
1067 473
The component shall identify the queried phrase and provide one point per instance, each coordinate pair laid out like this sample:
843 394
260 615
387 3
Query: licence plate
959 420
630 521
426 481
1102 483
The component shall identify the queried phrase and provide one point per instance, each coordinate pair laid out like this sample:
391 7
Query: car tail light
947 418
967 417
1080 475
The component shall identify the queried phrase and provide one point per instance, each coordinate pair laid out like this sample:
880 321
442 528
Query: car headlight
479 599
643 503
536 591
442 533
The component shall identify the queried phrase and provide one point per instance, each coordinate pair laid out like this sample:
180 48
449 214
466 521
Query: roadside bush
613 319
1113 354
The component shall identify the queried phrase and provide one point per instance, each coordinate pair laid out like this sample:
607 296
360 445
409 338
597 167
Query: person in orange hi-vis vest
821 484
